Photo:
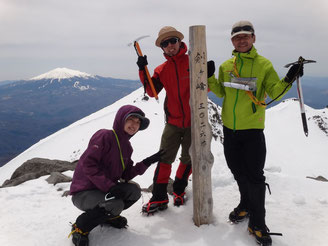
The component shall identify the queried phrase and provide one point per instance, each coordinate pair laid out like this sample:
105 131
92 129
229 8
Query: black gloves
153 158
115 192
210 68
295 71
142 62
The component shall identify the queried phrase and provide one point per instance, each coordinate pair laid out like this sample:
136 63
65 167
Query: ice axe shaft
301 101
139 53
301 61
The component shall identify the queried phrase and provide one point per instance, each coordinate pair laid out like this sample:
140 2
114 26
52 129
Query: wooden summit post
201 134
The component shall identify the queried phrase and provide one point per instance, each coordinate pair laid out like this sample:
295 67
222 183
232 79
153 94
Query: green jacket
238 110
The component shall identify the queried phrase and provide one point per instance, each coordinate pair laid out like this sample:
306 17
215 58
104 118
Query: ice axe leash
139 53
301 61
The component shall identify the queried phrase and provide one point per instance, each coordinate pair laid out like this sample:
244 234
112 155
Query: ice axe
301 61
139 53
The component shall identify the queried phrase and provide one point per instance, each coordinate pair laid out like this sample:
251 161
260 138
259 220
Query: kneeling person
97 187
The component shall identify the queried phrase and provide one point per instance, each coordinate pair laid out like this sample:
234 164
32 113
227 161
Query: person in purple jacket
99 186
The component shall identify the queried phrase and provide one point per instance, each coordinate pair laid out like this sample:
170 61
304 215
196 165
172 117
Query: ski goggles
242 28
165 43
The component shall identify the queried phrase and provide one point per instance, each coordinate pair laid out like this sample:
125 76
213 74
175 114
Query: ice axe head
300 60
136 45
136 40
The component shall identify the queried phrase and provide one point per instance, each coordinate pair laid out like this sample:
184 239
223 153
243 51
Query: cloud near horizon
38 35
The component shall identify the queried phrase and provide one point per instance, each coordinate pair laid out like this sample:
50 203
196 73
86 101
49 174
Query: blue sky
92 36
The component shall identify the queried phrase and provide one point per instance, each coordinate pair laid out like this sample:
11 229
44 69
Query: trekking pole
139 53
301 61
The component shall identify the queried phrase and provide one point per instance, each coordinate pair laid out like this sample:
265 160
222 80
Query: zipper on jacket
237 93
181 104
234 111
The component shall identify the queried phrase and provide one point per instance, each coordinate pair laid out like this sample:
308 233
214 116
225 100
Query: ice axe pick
139 53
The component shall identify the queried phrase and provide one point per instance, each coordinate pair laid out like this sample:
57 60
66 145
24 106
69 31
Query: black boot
85 223
262 235
79 238
116 221
91 218
154 206
159 200
179 200
239 214
179 187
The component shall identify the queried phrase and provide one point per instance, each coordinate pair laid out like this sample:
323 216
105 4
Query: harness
252 96
249 93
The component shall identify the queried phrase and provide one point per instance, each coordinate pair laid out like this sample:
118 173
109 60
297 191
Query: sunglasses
165 43
242 28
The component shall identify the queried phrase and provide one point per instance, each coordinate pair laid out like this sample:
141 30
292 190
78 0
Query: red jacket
173 75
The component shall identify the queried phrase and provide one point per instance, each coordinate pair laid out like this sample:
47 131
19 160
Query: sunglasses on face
242 28
165 43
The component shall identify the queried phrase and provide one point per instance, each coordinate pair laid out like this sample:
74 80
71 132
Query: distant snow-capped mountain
62 73
34 108
73 78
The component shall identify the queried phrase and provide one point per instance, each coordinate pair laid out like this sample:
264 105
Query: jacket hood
123 113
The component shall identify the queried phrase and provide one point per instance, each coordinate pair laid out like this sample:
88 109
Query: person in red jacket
100 184
173 76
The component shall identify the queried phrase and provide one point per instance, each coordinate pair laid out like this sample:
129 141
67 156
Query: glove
295 71
210 68
142 62
115 192
153 158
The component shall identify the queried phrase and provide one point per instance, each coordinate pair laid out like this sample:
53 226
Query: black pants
245 153
97 210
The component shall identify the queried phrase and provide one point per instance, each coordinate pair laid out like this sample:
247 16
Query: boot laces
77 230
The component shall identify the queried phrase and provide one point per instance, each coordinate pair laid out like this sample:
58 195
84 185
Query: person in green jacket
244 82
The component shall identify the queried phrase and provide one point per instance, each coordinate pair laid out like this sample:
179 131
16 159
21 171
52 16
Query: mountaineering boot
262 235
179 199
180 183
79 238
116 221
85 223
154 206
159 200
238 215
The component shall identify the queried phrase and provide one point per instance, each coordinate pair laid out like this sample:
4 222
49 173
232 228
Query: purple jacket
100 166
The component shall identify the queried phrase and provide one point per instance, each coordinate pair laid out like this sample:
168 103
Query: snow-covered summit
62 73
297 207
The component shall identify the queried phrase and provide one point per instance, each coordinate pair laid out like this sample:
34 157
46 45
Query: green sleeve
273 85
216 86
